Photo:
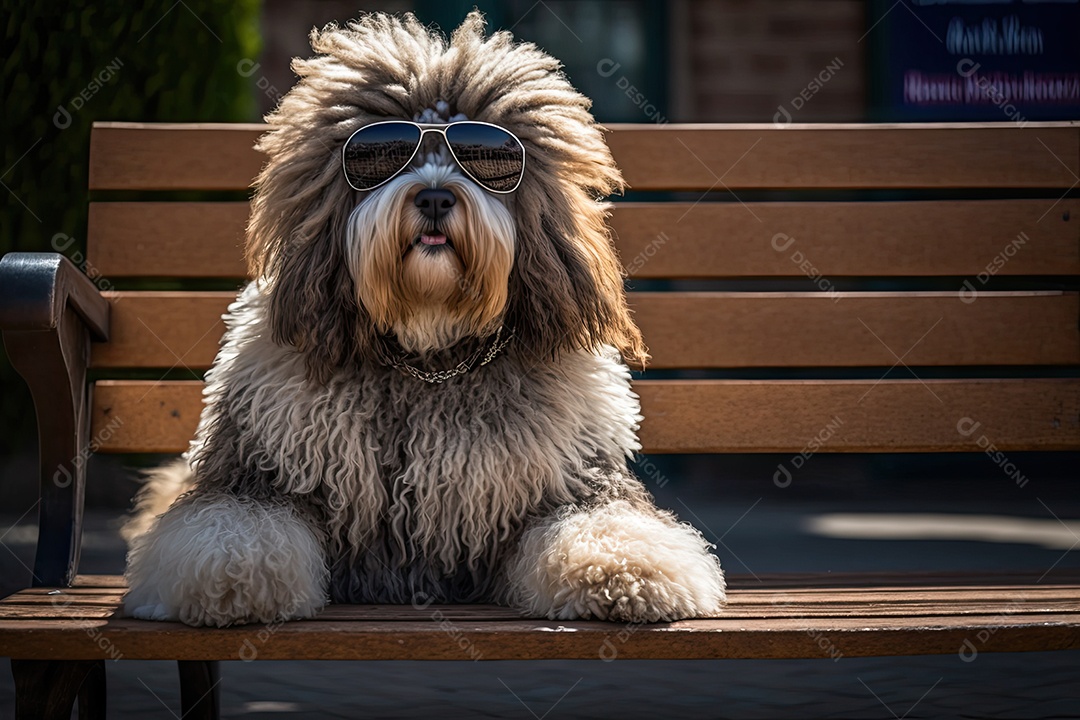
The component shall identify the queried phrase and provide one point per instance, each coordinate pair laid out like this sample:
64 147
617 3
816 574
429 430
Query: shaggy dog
422 397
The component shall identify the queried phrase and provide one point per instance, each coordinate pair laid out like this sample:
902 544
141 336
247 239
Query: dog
424 395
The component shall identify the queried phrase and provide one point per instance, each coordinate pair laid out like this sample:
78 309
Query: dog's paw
619 563
208 609
156 611
226 561
240 606
622 596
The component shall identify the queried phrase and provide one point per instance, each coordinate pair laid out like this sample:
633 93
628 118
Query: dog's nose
435 202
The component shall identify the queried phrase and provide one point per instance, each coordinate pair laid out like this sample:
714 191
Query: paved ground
761 529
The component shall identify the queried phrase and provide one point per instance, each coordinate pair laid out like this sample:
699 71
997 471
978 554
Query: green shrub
69 64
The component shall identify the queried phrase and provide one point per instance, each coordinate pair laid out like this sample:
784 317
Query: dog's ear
295 247
312 307
566 289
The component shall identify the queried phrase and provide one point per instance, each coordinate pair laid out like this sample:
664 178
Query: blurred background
642 61
68 64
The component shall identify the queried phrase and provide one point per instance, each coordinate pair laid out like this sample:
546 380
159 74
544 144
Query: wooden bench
1003 213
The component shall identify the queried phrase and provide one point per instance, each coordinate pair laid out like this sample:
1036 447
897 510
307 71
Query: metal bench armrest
50 313
36 288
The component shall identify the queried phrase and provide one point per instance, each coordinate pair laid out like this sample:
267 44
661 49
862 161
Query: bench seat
781 616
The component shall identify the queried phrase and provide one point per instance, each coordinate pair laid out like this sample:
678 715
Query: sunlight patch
1053 534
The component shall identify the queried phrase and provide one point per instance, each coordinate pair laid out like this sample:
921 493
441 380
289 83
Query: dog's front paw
225 561
156 611
637 600
197 607
621 594
619 563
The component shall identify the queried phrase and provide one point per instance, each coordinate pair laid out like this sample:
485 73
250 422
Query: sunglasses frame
439 128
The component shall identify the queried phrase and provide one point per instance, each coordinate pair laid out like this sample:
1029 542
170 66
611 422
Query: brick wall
739 60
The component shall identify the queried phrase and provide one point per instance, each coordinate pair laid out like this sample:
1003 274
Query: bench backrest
953 208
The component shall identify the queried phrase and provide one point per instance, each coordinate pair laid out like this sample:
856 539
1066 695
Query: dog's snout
434 203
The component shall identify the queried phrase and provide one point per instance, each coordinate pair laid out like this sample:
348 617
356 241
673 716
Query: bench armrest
49 314
36 288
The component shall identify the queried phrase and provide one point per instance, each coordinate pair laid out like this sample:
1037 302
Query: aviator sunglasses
491 156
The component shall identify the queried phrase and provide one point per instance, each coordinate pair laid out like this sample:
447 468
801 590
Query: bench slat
960 155
754 606
804 582
162 239
845 239
707 330
758 623
716 416
145 156
163 329
530 640
675 240
168 156
725 330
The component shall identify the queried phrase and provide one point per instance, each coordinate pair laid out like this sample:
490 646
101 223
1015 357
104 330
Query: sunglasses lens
376 153
491 155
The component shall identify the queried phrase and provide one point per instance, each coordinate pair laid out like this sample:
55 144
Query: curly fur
161 487
614 562
321 471
222 560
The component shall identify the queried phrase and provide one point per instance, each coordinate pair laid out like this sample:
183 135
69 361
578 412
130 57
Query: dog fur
321 472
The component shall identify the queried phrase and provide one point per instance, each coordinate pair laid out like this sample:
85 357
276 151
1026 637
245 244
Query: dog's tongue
433 239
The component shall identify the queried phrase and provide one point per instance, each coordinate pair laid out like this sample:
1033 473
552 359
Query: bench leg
200 694
92 693
46 689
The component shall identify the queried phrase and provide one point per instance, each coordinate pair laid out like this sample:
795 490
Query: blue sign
954 60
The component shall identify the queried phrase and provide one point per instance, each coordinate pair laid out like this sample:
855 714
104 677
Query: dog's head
431 257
